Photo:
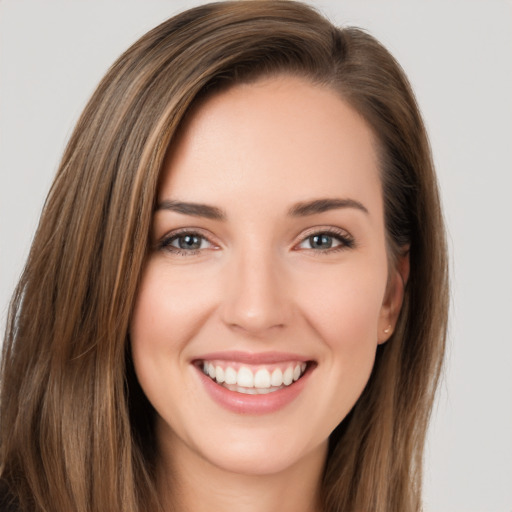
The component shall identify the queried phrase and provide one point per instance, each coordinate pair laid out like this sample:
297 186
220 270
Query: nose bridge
255 298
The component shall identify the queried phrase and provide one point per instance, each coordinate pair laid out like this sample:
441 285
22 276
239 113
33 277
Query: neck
189 483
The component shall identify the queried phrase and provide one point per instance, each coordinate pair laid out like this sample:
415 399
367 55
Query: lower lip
242 403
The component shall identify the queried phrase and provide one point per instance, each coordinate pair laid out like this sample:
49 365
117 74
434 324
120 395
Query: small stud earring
387 329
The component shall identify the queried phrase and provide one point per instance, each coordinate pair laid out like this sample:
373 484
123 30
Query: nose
256 294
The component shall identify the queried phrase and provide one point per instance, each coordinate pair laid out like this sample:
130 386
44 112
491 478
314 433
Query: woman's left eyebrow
306 208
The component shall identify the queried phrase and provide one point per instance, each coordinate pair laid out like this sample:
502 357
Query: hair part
76 430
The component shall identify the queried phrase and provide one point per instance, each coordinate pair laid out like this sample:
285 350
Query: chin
257 450
260 458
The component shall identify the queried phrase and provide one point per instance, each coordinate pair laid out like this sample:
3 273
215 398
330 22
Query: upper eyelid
330 230
188 231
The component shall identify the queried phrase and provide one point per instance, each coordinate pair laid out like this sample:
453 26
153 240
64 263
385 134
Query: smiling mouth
253 379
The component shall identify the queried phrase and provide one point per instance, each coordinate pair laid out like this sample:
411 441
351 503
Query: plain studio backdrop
458 57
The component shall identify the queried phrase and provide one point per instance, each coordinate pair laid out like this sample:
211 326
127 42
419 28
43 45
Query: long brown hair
76 430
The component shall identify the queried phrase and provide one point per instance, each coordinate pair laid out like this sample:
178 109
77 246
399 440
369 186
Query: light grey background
458 55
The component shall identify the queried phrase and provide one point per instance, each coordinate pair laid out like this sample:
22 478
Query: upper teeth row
262 378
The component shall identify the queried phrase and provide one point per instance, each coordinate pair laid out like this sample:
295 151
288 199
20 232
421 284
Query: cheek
344 305
168 311
168 308
341 306
159 328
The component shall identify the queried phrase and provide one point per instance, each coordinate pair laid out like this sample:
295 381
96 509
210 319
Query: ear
394 296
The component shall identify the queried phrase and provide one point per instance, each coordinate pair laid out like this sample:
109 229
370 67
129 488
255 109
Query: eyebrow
302 209
194 209
306 208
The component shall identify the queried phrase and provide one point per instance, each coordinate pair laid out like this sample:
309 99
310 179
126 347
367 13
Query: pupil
321 241
189 242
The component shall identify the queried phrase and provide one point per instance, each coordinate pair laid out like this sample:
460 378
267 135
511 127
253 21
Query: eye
321 241
327 241
188 242
185 243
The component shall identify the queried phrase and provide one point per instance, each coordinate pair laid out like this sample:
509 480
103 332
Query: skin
257 284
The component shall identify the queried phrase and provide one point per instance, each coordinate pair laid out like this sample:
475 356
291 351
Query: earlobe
394 296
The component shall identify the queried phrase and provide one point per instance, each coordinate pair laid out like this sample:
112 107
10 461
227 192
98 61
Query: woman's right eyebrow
194 209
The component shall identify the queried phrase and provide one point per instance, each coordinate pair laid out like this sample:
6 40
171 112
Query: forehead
281 137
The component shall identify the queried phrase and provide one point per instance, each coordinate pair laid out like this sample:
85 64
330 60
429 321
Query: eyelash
345 240
166 242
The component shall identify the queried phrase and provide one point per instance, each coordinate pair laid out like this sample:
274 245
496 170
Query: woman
237 293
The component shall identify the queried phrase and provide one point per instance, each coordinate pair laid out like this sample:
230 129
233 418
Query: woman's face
265 294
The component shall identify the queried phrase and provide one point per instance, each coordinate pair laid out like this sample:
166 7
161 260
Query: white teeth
264 391
230 376
262 379
288 376
245 378
219 374
249 391
260 382
277 377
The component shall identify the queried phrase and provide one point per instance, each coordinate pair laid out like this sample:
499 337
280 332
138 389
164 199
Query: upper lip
253 357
